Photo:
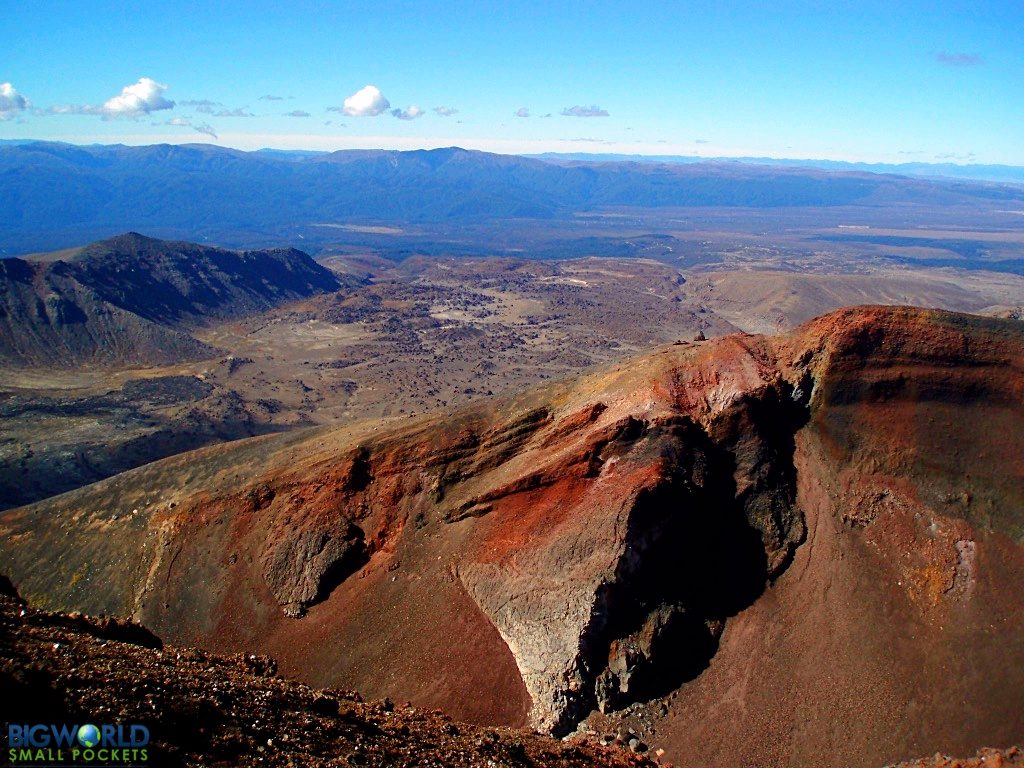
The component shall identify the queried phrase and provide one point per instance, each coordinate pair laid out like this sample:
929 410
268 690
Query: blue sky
862 81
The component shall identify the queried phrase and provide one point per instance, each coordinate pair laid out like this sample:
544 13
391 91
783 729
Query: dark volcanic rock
131 299
50 318
304 568
170 282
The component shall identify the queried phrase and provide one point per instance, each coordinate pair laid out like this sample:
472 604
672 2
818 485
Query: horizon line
561 153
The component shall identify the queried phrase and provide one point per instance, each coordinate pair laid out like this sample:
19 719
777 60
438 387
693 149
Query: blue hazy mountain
54 195
1011 174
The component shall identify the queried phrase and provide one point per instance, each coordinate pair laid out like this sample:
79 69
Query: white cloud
11 102
445 111
139 99
409 113
71 109
521 112
297 113
134 101
366 102
581 111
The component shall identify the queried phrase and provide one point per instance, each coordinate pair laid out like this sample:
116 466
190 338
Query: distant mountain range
1013 174
132 299
55 195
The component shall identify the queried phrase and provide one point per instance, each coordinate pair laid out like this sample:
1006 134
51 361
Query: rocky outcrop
666 506
305 567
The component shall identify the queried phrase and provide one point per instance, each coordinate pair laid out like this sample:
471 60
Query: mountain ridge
131 299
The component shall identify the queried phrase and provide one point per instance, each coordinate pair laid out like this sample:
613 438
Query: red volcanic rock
800 550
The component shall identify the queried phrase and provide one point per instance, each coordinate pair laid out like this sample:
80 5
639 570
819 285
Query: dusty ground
428 334
985 758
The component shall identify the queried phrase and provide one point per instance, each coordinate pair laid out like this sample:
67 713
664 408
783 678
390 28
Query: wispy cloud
958 59
521 112
366 102
238 112
200 105
204 128
964 156
207 107
297 113
11 102
445 111
71 109
581 111
272 97
409 113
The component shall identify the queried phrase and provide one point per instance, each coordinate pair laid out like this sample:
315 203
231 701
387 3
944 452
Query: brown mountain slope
48 317
776 551
171 282
205 709
767 300
131 299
